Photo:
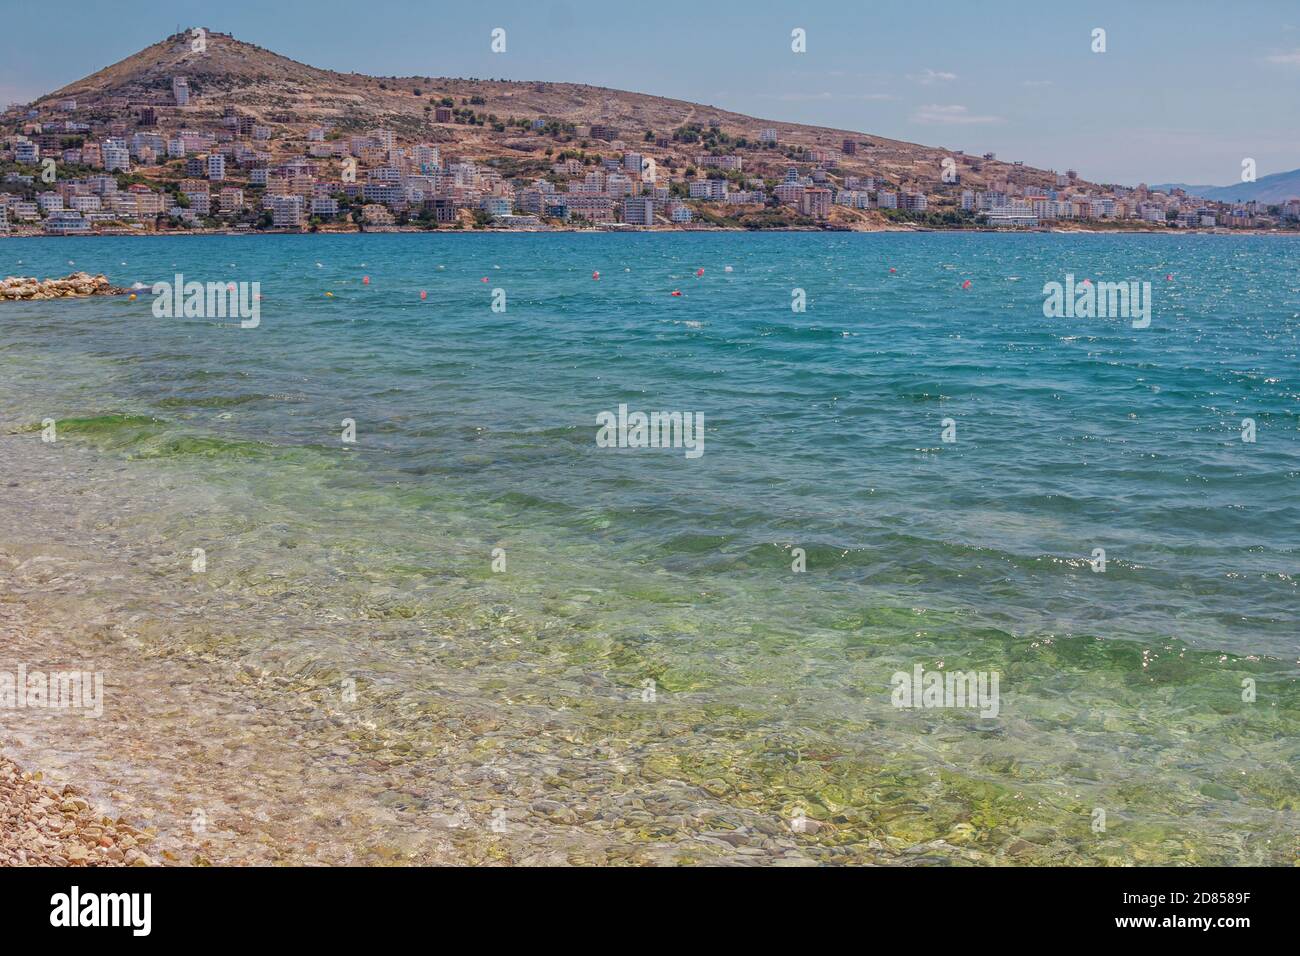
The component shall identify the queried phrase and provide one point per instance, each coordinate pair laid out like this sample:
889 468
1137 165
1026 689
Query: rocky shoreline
42 826
76 285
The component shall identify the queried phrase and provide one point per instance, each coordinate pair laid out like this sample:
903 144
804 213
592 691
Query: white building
216 166
1016 212
181 90
66 222
286 211
427 158
720 162
116 154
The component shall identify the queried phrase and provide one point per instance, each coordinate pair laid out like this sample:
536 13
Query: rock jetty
76 285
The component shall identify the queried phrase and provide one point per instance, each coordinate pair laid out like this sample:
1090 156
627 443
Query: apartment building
286 211
708 189
914 201
66 222
789 193
720 162
816 202
230 200
639 211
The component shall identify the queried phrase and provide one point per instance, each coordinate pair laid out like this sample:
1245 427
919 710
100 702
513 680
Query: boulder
76 285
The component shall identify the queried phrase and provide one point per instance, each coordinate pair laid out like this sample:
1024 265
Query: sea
391 573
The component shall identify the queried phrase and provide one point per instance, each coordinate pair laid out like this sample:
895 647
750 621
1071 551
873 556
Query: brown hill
291 96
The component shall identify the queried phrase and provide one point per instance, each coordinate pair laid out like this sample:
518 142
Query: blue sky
1185 90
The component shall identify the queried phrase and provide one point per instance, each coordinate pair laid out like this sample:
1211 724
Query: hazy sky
1185 90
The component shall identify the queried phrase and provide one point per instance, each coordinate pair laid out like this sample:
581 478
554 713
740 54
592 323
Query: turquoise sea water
659 685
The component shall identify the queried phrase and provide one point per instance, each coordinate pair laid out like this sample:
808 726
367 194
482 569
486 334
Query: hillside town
178 159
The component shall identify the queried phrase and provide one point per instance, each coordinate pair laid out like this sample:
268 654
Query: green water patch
109 429
210 401
148 437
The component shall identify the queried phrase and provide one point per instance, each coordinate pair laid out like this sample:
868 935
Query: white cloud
1286 59
801 97
930 77
935 115
824 96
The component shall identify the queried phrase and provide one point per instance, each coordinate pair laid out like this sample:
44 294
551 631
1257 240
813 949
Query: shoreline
505 230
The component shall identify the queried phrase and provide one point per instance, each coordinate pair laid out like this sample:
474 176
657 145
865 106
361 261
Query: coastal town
186 155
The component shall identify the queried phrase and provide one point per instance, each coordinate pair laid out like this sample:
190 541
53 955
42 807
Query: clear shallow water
516 697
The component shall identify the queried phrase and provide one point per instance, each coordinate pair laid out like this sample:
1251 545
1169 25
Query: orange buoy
676 292
699 272
365 280
1169 277
595 275
966 284
485 278
132 296
423 294
892 269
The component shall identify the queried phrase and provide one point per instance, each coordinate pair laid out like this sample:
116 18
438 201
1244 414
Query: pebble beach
41 825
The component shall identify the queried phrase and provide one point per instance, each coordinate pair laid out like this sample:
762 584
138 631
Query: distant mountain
1274 188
